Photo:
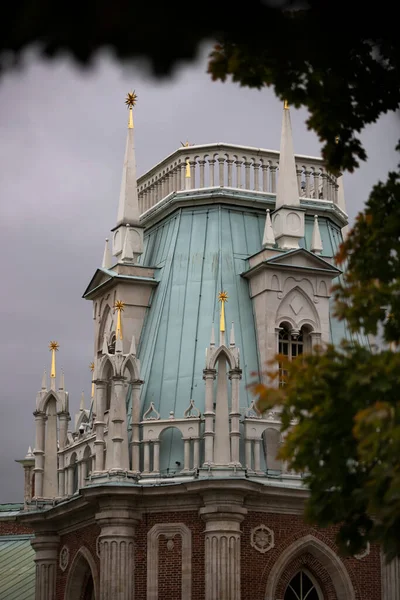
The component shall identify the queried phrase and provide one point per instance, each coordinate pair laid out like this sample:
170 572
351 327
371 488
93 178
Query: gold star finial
131 99
91 366
53 347
222 297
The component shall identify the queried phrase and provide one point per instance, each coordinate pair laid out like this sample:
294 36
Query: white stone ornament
364 552
64 558
262 539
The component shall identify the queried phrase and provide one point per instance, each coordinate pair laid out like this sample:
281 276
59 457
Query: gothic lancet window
301 587
291 345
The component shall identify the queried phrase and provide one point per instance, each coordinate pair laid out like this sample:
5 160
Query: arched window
302 587
292 343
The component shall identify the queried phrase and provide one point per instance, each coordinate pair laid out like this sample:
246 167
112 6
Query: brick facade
13 527
255 566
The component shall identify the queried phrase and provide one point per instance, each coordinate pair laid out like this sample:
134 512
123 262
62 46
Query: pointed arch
326 556
223 351
51 395
106 368
130 363
296 306
83 568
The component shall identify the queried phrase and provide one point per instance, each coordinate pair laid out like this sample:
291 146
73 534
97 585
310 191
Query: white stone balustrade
228 165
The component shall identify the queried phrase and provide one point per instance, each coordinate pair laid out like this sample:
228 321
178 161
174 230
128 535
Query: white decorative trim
64 558
262 538
169 530
364 552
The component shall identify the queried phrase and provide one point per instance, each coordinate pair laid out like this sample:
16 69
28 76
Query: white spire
82 405
128 208
29 454
62 382
269 237
316 242
107 260
287 193
232 337
44 380
133 346
212 339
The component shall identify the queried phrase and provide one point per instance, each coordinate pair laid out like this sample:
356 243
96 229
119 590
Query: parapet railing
228 165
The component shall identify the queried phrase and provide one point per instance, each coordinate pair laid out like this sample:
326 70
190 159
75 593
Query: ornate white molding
262 538
169 530
64 558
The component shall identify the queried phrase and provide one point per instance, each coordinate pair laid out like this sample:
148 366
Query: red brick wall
11 527
169 567
170 585
256 567
86 536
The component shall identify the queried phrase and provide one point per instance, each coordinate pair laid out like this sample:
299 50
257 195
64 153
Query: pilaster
390 573
46 552
222 548
116 547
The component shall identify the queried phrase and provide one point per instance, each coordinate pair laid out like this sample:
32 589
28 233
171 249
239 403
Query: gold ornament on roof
222 297
285 104
131 99
119 306
91 367
53 347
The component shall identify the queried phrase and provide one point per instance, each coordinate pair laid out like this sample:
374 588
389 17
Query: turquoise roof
199 251
17 568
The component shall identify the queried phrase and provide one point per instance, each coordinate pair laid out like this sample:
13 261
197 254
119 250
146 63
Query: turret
288 217
128 233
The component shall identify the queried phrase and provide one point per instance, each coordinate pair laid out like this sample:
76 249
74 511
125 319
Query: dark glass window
301 588
290 346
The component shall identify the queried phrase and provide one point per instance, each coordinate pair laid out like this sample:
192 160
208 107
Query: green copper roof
199 251
17 568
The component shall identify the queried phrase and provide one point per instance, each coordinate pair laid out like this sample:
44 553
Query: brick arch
309 563
324 555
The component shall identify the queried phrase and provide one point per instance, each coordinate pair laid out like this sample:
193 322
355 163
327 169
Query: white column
99 424
146 457
248 454
186 450
209 376
135 443
46 552
39 452
235 376
116 545
196 453
222 550
257 449
156 456
390 574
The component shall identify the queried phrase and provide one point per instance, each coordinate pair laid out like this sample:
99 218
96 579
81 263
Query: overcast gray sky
62 141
